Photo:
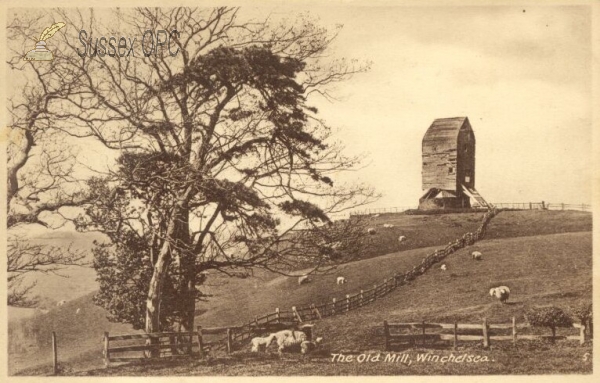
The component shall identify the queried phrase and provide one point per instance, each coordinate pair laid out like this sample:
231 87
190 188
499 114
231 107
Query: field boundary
422 337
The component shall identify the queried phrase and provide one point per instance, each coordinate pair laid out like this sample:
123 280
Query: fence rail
394 337
175 343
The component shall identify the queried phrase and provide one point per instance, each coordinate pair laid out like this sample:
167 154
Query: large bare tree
223 163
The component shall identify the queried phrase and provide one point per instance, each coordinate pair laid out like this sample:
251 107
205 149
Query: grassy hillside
561 273
540 270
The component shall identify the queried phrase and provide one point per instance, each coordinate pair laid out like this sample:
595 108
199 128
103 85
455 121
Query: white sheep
444 267
376 216
501 293
401 239
371 231
288 339
341 280
476 255
77 311
308 346
388 225
303 279
60 303
258 342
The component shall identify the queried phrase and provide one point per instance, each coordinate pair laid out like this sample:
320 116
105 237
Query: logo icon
41 53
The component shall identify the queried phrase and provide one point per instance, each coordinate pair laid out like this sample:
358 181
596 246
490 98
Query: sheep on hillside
60 303
388 225
303 279
288 339
401 238
341 280
371 231
444 267
502 293
77 311
308 346
476 255
258 342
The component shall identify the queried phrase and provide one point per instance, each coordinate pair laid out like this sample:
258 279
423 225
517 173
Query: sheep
77 311
258 342
376 216
501 293
401 239
303 279
444 267
476 255
288 339
341 280
308 346
388 225
60 303
371 231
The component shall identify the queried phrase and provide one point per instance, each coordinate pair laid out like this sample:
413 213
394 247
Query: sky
522 75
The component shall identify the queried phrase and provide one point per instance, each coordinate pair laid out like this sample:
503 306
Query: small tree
551 317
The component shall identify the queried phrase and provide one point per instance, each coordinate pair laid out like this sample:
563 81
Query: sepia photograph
298 189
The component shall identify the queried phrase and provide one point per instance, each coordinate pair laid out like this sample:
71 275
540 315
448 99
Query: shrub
551 317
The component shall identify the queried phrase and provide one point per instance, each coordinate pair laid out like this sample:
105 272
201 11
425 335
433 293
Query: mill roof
444 129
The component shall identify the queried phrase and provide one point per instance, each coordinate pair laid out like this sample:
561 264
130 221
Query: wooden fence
543 206
415 334
177 344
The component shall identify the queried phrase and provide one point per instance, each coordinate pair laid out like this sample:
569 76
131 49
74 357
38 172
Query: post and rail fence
416 334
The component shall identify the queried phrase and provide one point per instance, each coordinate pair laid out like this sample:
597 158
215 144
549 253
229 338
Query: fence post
423 333
361 298
200 341
347 302
386 332
529 205
514 331
277 315
374 291
486 337
455 336
228 340
395 280
54 354
385 286
333 307
582 334
106 354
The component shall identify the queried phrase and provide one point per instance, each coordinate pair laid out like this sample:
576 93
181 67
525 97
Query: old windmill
449 166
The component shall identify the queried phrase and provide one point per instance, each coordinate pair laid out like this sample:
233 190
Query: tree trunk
160 272
553 334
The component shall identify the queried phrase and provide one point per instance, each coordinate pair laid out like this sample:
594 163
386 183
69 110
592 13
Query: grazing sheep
371 231
341 280
308 346
501 293
60 303
376 216
77 311
476 255
388 225
444 267
258 342
303 279
401 239
288 339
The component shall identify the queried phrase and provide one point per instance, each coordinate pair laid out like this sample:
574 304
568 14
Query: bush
583 312
551 317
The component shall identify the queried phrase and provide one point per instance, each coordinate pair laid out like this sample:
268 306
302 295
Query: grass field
540 266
